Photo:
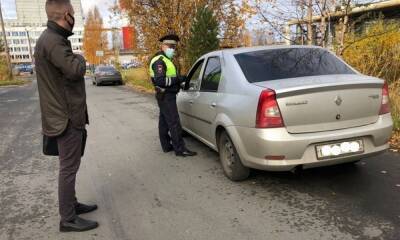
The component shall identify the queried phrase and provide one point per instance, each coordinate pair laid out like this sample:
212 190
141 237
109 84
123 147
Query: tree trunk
323 30
343 34
309 23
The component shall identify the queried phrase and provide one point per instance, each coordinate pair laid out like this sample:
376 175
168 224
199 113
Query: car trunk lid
325 103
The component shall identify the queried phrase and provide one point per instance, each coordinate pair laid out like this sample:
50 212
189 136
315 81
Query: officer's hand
182 79
183 85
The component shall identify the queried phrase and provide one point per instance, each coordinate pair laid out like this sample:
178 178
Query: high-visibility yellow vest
171 69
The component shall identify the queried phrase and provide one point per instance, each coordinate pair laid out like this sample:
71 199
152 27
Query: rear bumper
253 145
108 79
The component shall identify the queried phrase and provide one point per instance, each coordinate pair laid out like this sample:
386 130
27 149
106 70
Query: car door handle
213 105
191 102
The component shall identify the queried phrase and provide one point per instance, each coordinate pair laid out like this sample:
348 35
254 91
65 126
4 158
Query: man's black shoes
81 208
186 153
78 225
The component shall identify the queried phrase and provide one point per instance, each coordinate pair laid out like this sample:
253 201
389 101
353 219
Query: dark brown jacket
61 84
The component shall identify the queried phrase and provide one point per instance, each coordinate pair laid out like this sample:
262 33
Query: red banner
129 37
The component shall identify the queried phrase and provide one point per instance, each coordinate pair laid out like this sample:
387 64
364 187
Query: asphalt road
146 194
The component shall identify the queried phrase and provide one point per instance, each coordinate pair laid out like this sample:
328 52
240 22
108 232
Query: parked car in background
107 75
283 108
23 69
131 65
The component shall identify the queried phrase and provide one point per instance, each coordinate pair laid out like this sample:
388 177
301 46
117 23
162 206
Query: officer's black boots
168 150
186 153
78 225
81 208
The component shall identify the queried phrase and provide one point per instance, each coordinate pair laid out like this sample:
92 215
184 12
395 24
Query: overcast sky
8 7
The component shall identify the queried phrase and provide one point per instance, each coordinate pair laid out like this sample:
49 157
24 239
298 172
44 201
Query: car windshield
106 69
266 65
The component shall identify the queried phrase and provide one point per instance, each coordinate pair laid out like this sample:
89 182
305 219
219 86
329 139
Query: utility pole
5 43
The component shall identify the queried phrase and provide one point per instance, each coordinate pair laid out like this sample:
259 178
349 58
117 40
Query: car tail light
385 105
268 113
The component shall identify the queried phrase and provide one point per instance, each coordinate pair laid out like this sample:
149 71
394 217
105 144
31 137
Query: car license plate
339 149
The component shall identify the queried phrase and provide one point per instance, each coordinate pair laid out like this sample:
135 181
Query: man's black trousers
70 150
170 129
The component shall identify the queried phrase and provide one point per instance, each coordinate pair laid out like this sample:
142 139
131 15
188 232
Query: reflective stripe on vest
171 70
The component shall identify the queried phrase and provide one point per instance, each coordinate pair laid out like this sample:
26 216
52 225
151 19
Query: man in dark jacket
60 75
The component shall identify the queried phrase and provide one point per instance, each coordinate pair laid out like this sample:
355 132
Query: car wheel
230 160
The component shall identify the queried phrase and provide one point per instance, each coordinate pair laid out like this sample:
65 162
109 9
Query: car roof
234 51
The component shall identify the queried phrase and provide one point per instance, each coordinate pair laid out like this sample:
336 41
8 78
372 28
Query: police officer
167 84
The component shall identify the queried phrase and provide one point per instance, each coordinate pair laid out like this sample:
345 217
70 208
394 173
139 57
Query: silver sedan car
283 108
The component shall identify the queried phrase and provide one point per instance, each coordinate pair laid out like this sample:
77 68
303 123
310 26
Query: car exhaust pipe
297 170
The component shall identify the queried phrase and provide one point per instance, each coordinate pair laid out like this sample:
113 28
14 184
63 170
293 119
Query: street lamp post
5 43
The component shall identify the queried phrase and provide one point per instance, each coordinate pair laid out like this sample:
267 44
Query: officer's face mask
169 52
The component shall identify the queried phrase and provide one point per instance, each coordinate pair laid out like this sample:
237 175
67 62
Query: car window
212 75
107 69
275 64
194 76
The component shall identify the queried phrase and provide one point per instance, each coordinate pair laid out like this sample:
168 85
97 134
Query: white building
31 20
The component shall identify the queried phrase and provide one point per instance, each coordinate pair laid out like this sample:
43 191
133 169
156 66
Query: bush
138 78
377 53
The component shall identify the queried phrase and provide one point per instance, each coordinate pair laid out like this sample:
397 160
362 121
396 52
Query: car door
205 103
185 97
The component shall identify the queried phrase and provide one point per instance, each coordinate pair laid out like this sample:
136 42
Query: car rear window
107 69
266 65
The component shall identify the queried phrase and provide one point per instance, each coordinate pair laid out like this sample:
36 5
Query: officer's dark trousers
169 126
70 150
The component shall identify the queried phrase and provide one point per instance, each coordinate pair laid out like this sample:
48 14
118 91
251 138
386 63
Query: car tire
230 160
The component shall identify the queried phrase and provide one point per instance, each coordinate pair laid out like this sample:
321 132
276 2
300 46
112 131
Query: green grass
138 78
12 82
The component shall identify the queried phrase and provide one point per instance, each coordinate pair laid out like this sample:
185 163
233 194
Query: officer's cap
170 39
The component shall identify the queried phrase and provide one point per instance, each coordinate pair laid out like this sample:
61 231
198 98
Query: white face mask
170 52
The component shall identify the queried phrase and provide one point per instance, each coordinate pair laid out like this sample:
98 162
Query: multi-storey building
30 21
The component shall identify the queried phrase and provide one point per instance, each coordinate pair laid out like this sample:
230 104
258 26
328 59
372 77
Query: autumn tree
233 26
4 71
94 37
247 39
152 19
277 14
203 34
